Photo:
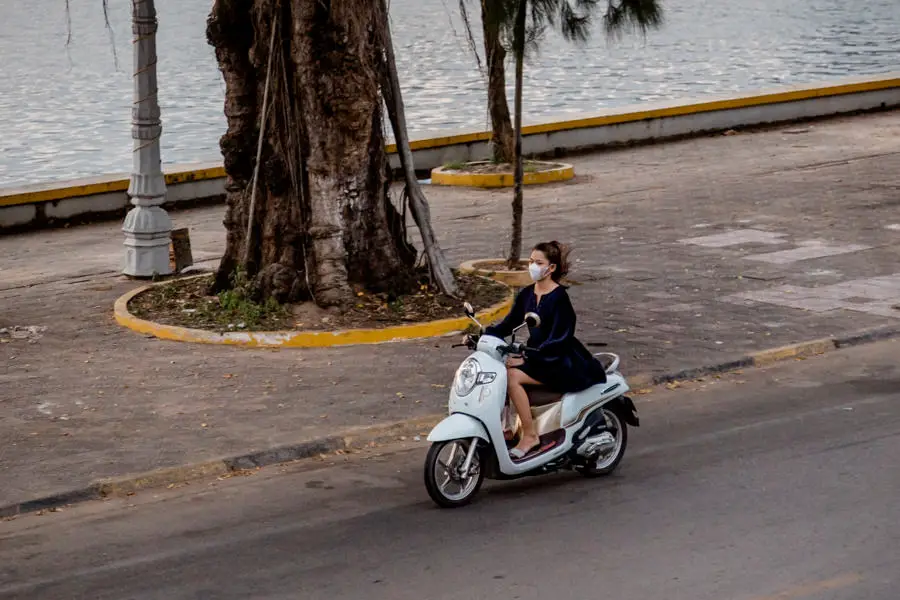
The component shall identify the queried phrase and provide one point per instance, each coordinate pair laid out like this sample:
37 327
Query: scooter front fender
458 426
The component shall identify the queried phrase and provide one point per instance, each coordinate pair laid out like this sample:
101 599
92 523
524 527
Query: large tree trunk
323 224
515 250
502 136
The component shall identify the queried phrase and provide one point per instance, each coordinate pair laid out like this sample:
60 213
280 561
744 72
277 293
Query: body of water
65 109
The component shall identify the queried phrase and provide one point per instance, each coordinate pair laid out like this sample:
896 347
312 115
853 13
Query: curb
771 356
351 439
297 339
511 278
451 177
361 437
514 279
104 184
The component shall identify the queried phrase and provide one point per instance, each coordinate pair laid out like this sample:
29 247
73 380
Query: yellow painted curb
444 176
770 357
105 185
53 191
298 339
806 92
510 278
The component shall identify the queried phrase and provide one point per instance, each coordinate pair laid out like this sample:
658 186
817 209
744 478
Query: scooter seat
542 396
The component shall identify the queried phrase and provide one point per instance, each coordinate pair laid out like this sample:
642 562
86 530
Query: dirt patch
185 303
492 168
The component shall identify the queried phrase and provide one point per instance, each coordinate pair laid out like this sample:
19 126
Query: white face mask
536 272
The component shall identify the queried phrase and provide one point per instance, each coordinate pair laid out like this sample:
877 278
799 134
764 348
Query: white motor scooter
586 431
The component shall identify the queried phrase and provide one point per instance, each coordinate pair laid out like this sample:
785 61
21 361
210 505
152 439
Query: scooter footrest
548 441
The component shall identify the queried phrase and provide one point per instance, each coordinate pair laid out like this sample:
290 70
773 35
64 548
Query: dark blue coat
560 361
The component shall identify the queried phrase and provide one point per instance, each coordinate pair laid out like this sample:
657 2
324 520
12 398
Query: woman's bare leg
516 380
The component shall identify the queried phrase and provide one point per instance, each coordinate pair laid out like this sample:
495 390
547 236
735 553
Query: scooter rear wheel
607 463
442 480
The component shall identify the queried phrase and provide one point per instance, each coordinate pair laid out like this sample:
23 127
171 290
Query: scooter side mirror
470 312
532 320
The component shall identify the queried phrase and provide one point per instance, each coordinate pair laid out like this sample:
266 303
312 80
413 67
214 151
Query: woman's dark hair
557 254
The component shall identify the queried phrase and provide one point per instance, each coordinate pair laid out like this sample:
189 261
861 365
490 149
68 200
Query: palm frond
470 38
574 25
628 15
109 29
572 18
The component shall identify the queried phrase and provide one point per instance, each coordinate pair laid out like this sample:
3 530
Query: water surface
65 110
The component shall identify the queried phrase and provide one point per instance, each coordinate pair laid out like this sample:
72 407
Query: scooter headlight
467 377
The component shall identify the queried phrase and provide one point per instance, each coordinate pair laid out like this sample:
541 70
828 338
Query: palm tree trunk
502 135
515 250
393 97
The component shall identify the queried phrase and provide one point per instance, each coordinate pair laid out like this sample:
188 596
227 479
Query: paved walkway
688 253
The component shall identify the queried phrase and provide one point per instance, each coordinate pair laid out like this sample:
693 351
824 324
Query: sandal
517 454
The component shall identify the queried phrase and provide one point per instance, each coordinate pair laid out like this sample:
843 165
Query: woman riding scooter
558 362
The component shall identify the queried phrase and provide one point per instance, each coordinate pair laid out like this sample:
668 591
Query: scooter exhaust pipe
597 444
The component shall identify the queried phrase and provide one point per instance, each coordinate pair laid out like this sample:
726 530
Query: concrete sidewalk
688 253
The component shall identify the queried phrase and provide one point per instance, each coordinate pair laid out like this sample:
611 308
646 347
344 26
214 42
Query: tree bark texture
324 225
515 250
502 135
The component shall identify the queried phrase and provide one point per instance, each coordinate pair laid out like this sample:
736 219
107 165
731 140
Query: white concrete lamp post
147 226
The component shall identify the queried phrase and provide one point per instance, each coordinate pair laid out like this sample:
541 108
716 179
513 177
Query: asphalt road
774 484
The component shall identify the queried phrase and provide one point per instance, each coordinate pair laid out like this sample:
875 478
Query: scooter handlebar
519 348
471 341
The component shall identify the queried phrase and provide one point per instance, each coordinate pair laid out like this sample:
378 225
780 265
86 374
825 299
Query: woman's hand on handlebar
519 349
514 361
470 341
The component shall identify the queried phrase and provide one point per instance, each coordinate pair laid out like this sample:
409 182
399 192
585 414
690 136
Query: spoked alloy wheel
606 462
445 484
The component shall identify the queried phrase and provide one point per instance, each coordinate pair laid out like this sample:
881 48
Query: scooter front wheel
446 484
